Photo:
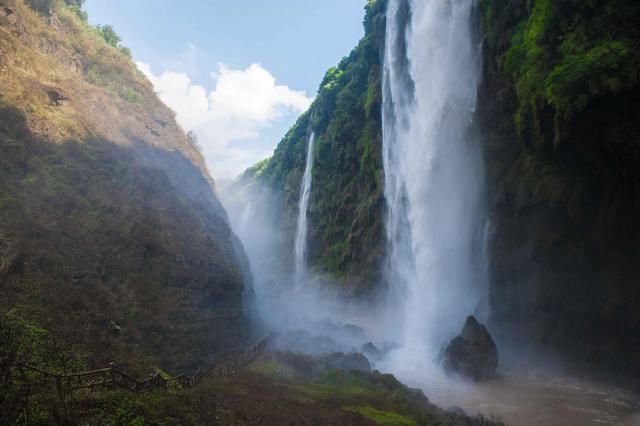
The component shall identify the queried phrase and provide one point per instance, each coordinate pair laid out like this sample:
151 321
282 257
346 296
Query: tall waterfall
303 205
433 171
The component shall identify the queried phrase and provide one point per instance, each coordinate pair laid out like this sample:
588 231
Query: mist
436 268
303 308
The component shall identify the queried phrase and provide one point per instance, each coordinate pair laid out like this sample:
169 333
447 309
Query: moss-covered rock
560 108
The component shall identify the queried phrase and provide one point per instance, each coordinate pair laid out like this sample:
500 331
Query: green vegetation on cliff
566 54
560 106
345 213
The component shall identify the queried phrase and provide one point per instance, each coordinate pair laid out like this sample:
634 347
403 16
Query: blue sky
234 70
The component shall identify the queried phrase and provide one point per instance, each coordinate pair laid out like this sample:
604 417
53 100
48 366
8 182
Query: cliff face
345 213
111 235
559 110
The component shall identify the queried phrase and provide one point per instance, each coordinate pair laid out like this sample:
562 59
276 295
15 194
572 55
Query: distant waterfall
303 205
243 225
433 171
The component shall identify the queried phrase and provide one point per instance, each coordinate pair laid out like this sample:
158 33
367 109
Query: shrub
41 6
77 10
109 35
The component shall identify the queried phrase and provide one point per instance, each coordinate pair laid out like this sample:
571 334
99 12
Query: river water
533 399
543 399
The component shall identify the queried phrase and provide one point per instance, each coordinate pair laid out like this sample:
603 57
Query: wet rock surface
310 365
372 352
320 338
473 354
303 342
342 361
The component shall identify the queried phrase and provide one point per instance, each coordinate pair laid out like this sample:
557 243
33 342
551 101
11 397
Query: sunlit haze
237 73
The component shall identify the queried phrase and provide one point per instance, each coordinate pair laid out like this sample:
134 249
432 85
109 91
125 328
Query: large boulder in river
473 354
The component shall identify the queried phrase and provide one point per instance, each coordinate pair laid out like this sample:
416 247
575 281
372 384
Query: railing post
112 374
112 377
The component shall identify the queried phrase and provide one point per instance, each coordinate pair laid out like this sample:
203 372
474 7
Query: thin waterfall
300 247
243 225
433 172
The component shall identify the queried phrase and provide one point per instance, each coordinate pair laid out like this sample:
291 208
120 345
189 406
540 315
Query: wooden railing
113 378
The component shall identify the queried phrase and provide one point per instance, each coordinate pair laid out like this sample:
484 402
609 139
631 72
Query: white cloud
228 120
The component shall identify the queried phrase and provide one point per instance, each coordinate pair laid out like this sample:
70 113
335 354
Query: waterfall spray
300 247
433 171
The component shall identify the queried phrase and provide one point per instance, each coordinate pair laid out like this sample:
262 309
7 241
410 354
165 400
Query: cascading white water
300 247
433 172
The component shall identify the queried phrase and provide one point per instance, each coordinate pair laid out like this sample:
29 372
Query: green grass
330 391
269 368
382 417
340 384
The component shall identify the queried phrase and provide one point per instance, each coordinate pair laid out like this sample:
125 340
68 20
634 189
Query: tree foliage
26 342
109 35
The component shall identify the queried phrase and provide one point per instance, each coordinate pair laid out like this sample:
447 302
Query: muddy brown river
531 399
542 400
